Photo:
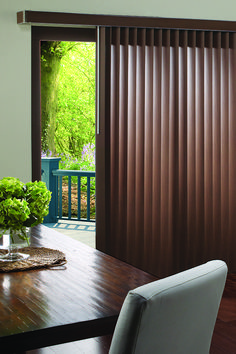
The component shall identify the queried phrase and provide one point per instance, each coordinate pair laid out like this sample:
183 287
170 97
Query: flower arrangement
22 205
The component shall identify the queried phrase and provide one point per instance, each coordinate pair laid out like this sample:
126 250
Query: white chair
175 315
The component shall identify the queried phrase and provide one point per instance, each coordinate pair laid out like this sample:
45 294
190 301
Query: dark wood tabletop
81 299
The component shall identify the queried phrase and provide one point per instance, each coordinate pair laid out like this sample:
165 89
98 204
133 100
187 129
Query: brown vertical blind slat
216 143
123 140
225 138
131 143
115 136
181 229
174 138
208 144
165 244
191 143
148 141
232 135
139 148
199 126
172 144
156 157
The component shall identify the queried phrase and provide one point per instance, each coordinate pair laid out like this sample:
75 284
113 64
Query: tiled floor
79 230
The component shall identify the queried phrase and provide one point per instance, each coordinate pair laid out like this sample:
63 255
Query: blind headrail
63 18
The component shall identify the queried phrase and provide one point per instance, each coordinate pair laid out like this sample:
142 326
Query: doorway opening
87 34
68 120
39 35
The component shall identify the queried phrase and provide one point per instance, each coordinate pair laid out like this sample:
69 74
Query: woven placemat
40 257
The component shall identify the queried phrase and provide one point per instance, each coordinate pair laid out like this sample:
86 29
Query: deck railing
69 173
53 177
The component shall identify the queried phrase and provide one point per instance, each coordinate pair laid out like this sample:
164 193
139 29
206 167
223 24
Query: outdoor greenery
68 110
67 97
76 100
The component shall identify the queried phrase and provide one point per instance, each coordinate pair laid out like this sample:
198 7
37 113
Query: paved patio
82 231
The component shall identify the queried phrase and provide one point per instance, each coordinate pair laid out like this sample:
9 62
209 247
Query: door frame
74 34
39 34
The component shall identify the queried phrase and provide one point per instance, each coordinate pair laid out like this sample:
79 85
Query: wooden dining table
80 299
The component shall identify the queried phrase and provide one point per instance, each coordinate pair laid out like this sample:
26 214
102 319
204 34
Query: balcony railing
53 177
78 174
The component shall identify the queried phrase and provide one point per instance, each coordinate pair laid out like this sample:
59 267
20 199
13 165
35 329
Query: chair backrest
174 315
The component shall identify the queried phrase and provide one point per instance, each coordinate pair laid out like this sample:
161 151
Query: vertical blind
172 140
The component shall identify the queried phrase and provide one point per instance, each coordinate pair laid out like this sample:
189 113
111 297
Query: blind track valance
62 18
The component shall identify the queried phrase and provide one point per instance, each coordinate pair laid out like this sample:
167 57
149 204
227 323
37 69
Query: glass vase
13 241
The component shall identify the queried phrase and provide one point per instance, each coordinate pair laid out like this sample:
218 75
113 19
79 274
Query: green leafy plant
22 205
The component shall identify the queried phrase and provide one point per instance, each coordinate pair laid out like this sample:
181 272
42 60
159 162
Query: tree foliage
75 123
50 68
67 96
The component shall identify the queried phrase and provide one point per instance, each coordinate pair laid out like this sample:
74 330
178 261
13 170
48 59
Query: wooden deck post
48 165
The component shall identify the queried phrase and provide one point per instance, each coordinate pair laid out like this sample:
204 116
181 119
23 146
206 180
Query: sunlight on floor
82 231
